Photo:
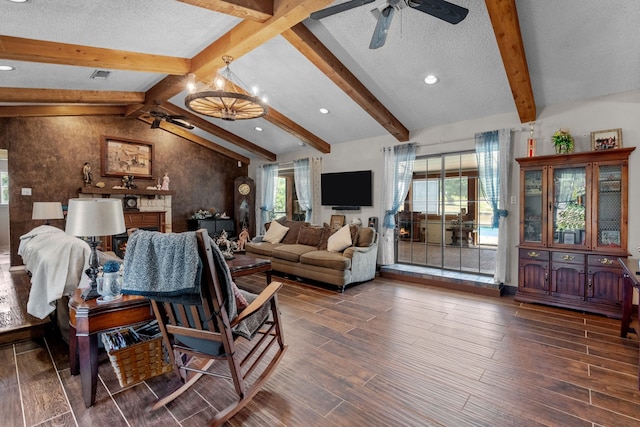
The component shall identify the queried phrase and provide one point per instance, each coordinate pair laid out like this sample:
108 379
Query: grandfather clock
245 201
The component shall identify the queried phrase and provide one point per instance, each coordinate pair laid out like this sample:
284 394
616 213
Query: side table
631 280
86 319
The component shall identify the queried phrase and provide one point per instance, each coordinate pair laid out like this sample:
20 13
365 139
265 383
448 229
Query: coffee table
244 265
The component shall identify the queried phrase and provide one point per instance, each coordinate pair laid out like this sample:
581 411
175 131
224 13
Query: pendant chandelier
226 99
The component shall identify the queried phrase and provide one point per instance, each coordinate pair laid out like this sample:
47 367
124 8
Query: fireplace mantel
147 199
106 192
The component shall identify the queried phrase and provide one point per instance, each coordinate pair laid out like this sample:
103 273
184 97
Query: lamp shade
47 210
95 217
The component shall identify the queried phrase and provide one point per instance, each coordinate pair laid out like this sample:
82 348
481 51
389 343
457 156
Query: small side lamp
47 211
93 218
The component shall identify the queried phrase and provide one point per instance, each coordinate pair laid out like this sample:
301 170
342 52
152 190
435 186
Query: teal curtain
488 155
302 177
404 156
268 192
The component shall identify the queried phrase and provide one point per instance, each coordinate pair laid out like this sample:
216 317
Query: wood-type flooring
383 353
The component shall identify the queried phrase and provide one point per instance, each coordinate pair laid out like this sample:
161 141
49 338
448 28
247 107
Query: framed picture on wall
121 157
337 221
569 238
606 139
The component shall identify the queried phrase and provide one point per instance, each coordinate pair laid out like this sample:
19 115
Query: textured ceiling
575 49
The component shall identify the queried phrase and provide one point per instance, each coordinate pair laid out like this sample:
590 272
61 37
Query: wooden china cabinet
573 227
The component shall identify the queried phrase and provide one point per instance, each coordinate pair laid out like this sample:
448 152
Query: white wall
613 111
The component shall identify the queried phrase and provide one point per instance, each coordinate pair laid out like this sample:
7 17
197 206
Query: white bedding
57 263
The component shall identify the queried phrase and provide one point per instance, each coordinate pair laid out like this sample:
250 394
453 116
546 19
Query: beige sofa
303 253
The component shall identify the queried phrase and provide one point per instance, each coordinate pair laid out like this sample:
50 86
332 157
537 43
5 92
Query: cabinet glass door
609 206
569 201
533 206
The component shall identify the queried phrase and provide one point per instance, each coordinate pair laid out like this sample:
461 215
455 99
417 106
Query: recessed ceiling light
324 110
6 68
258 128
431 79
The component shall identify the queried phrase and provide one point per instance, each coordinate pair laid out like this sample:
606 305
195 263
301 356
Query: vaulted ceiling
506 56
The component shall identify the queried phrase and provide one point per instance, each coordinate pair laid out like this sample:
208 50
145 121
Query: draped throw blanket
163 266
167 267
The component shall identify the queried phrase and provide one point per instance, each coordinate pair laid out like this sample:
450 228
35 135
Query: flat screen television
347 189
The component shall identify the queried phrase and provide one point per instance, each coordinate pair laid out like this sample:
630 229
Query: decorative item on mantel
165 182
563 141
86 174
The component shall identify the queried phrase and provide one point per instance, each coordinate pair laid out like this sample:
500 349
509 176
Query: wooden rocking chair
198 333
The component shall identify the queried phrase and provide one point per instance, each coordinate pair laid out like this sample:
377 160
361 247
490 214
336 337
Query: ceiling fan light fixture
226 100
431 79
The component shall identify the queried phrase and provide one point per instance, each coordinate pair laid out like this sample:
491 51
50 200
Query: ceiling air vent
100 74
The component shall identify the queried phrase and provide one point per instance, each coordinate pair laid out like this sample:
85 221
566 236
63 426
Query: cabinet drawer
534 254
603 261
567 258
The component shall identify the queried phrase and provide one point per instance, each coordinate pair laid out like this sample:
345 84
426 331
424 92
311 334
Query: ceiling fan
440 9
158 116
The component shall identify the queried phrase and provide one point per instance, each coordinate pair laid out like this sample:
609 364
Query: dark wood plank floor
384 353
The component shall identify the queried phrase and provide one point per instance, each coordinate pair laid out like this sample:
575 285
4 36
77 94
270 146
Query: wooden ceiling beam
240 40
506 27
60 110
219 132
254 10
11 94
287 125
184 133
308 44
30 50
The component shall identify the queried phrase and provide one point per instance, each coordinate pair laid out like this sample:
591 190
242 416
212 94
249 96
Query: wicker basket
139 361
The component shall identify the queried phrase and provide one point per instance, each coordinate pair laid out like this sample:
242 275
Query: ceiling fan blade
332 10
382 27
441 9
179 122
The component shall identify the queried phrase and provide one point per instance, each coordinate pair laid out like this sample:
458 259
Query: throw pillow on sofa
275 233
309 236
294 230
340 240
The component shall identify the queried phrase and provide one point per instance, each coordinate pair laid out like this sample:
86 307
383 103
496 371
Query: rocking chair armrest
264 297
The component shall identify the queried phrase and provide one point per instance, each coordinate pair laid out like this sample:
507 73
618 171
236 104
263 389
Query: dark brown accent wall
46 154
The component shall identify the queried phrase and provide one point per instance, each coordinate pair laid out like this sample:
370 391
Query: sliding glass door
445 223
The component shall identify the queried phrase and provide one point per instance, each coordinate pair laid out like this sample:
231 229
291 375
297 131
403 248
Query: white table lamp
47 211
93 218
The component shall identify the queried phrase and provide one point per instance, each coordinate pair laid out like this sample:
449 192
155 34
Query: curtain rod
520 129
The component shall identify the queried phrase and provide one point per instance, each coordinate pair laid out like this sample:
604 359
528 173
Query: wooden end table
86 319
244 265
631 280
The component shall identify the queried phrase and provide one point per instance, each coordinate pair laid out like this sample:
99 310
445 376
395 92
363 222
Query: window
4 188
280 207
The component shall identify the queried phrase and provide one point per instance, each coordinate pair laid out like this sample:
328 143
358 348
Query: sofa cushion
291 252
327 231
340 240
365 237
261 248
281 220
275 233
332 260
353 229
294 229
310 235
